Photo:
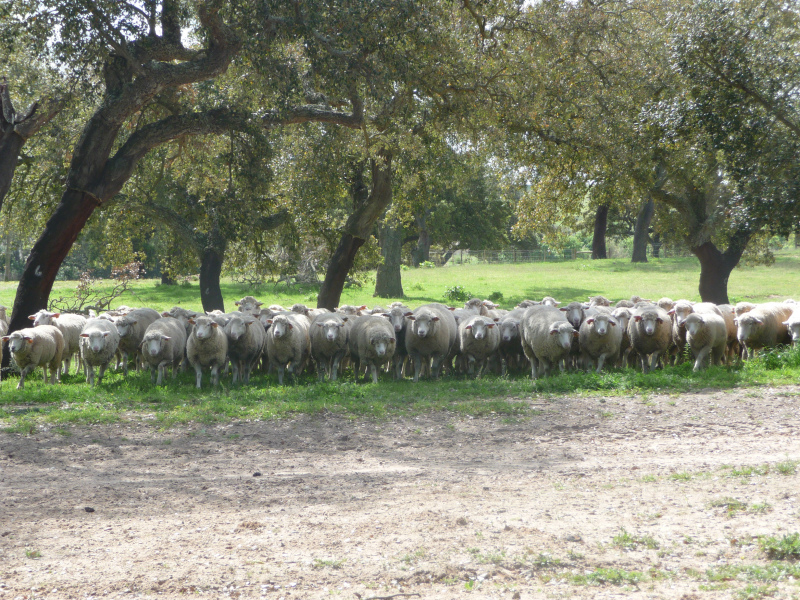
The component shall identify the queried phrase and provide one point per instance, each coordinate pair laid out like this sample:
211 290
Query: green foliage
457 293
784 548
628 541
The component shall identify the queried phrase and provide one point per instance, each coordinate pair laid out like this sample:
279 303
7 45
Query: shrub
457 293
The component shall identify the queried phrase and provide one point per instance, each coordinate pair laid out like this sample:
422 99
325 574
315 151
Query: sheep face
124 325
550 301
96 340
649 322
249 305
622 315
601 323
331 329
17 342
237 327
203 327
681 310
423 324
380 343
397 317
564 333
509 330
693 323
746 326
281 326
43 317
479 328
794 330
153 344
574 311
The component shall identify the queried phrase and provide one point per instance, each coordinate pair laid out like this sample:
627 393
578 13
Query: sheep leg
322 370
601 361
235 369
160 373
436 366
653 361
374 370
215 375
22 375
470 365
701 358
153 374
281 369
417 365
90 375
101 373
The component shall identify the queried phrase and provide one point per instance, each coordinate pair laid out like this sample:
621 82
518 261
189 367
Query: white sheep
36 347
650 330
478 339
549 301
599 301
792 324
100 340
288 343
546 338
207 346
372 344
396 315
70 326
430 337
510 349
246 341
131 328
743 307
623 316
706 335
600 337
249 305
164 345
330 335
763 327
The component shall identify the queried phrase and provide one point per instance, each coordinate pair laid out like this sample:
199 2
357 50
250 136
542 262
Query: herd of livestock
536 335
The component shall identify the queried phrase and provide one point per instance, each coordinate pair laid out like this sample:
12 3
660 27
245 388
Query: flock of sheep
536 335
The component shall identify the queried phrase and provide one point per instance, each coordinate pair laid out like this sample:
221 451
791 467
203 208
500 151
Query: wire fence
465 257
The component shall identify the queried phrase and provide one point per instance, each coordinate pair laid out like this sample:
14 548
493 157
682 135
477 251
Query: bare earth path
441 505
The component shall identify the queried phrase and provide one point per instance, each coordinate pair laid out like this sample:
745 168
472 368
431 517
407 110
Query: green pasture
73 402
566 281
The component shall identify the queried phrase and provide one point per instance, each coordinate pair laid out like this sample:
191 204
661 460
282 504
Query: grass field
566 281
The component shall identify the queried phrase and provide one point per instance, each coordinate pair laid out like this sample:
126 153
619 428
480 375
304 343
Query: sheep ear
612 322
290 326
451 308
259 303
191 321
319 324
786 323
757 320
387 315
32 317
165 314
575 334
637 318
214 324
269 321
5 338
468 327
496 319
345 318
563 309
29 339
490 325
590 320
237 303
392 340
84 335
411 317
671 311
434 319
166 338
56 315
408 314
105 333
362 307
659 320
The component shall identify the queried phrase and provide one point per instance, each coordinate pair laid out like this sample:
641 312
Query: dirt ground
438 506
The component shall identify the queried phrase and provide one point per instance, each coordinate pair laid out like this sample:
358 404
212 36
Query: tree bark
599 237
422 253
388 281
368 207
716 266
641 231
210 272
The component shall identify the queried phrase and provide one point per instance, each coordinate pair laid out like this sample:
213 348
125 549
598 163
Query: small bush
426 264
496 297
787 547
457 293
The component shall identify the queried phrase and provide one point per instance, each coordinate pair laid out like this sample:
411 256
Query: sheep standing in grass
623 316
732 348
70 326
164 345
764 327
100 340
546 338
288 343
397 314
600 337
246 341
430 337
330 334
792 324
706 335
36 347
131 328
249 305
372 344
207 347
3 321
478 339
650 330
510 348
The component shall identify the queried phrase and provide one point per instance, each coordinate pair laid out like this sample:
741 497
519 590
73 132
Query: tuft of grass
731 505
784 548
611 576
32 554
787 467
414 557
755 592
319 563
628 541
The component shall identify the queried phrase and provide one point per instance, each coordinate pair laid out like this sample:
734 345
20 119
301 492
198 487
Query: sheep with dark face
650 330
40 346
600 338
372 344
396 315
430 337
510 349
330 334
207 347
478 339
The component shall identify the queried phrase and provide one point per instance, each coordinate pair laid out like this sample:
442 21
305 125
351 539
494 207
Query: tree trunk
599 237
368 207
716 266
167 279
10 146
655 244
7 268
422 253
388 282
641 231
210 271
